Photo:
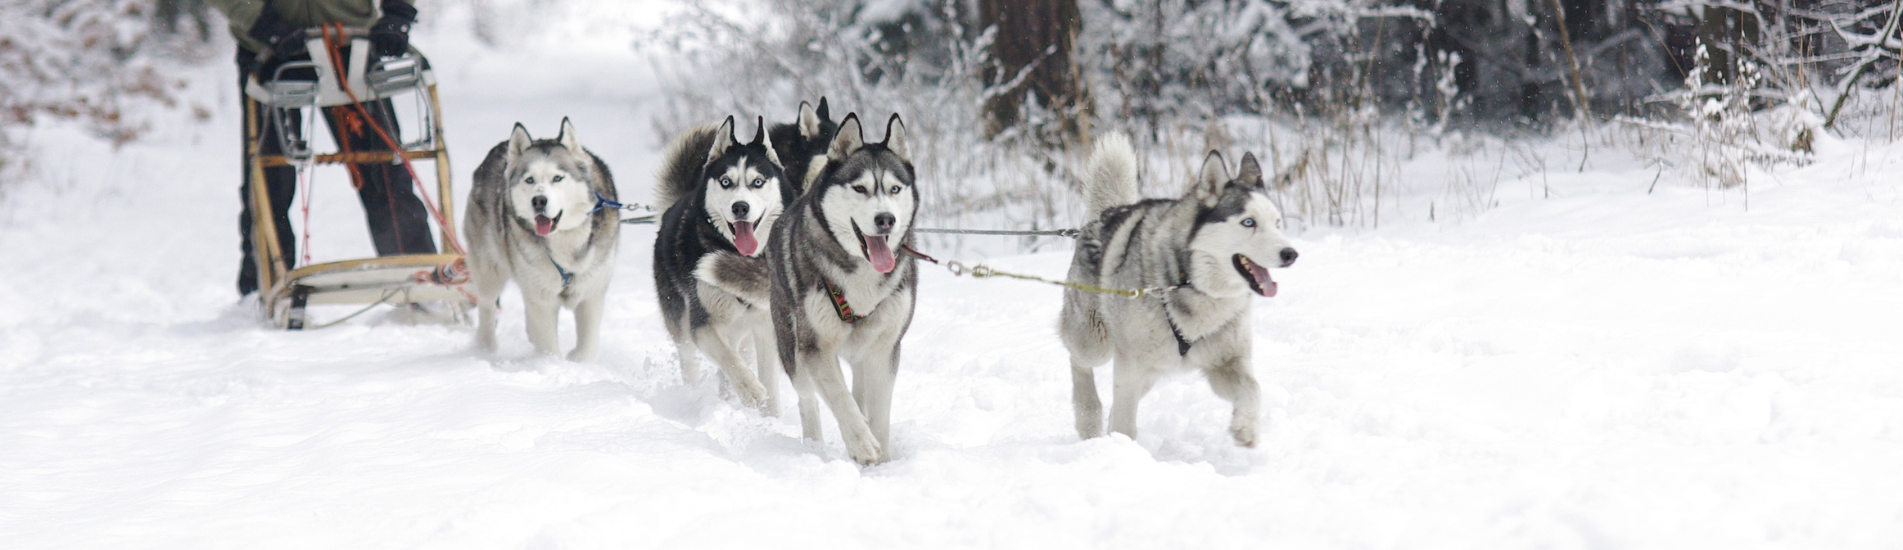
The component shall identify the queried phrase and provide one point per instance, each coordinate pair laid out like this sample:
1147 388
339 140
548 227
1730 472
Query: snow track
1600 369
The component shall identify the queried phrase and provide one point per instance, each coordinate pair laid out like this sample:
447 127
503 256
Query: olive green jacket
306 13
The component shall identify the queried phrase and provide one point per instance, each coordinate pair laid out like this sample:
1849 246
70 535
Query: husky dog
535 216
802 144
1208 250
722 198
840 288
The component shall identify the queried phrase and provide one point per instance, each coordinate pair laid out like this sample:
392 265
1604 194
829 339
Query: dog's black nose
884 221
1288 257
740 210
540 204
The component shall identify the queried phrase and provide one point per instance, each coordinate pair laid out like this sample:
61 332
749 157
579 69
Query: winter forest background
1574 274
1339 94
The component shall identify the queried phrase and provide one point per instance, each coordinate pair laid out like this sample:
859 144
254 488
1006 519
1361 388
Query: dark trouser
399 222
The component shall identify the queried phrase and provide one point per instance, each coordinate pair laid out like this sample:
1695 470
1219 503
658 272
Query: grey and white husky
841 290
1209 251
535 218
722 198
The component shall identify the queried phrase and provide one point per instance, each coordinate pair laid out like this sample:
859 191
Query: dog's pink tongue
1262 280
743 240
543 226
880 255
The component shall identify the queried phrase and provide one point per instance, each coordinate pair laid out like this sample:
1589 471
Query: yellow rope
984 271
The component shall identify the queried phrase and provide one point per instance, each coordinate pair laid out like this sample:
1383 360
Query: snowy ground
1605 368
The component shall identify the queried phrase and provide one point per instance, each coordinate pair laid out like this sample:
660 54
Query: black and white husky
535 218
1210 250
723 199
841 290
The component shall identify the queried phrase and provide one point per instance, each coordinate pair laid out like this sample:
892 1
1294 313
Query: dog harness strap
1182 345
566 276
839 303
604 202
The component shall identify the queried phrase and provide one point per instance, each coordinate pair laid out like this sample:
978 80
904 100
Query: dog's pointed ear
519 141
849 140
895 138
567 137
765 139
809 120
1208 184
723 138
1251 171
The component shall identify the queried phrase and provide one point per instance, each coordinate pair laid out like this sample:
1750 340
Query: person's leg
399 222
281 185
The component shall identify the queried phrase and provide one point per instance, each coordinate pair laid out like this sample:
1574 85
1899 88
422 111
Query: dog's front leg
809 406
1130 381
587 327
873 374
540 313
1083 396
823 369
721 348
486 323
767 364
1233 380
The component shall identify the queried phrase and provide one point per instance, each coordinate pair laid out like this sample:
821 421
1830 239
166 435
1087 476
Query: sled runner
291 100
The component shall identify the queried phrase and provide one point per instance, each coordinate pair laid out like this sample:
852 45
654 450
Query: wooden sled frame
283 292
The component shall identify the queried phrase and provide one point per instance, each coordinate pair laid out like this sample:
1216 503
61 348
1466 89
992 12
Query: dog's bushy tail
1111 176
681 164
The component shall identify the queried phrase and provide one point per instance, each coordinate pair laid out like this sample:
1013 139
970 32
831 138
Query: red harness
839 303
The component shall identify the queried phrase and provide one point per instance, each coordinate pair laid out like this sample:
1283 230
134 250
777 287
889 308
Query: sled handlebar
349 32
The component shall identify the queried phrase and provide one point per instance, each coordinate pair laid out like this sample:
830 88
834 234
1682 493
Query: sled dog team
799 240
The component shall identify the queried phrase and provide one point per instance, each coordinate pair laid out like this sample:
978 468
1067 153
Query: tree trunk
1036 34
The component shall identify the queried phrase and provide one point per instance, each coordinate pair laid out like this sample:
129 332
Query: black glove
285 39
391 34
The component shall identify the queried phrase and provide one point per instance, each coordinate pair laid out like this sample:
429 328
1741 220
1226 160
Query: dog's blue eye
726 183
1248 222
895 189
759 182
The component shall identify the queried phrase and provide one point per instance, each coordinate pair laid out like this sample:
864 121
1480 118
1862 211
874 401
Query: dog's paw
582 355
486 343
864 448
1245 435
752 394
1088 429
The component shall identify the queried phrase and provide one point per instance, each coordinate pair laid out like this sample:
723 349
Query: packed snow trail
1605 368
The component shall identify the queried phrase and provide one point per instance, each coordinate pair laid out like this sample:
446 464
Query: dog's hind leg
745 386
587 328
1129 382
767 364
1233 381
541 313
823 368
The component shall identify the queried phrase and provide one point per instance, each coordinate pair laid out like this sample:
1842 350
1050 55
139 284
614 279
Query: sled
284 293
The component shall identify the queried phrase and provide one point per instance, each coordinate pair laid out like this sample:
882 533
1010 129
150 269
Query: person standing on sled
271 32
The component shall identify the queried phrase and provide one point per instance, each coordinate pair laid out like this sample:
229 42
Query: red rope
304 182
336 56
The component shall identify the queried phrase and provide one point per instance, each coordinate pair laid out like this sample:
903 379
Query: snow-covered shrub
917 58
98 62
